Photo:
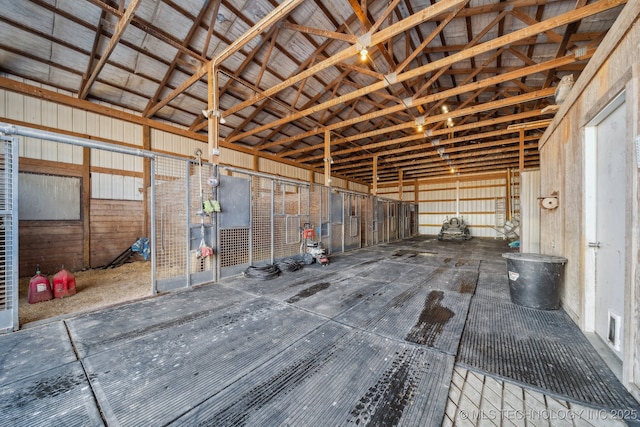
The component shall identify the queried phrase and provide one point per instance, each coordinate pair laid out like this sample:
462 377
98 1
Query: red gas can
64 284
39 288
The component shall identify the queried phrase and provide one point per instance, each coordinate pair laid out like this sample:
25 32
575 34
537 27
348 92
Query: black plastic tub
535 279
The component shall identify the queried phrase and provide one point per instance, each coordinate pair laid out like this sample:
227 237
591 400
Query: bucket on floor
64 284
39 288
535 279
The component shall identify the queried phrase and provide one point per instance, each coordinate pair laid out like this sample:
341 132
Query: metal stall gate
413 219
259 222
319 214
184 225
263 217
381 221
367 223
352 220
234 224
394 229
9 207
8 234
290 213
336 219
407 220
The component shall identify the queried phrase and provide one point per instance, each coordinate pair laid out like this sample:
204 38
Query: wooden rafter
113 42
559 20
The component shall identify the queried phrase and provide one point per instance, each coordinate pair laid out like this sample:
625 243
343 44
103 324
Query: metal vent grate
234 247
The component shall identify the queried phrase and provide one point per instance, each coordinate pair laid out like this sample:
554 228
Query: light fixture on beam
363 41
214 113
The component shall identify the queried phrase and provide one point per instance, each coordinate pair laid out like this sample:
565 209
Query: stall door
8 234
353 217
234 222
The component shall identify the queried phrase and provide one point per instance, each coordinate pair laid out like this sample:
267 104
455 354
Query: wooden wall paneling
115 225
49 168
51 244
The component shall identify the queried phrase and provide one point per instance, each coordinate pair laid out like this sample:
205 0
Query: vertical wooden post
146 180
508 192
400 189
256 163
327 158
375 174
86 207
416 192
521 149
312 176
213 115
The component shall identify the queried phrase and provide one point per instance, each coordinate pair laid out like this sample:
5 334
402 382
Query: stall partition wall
242 217
67 223
8 234
260 220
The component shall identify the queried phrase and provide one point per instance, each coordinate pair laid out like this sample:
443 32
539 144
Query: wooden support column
146 180
400 189
213 125
375 174
86 207
312 177
521 166
256 163
327 158
508 192
416 192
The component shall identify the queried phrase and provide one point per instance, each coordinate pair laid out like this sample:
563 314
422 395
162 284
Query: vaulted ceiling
443 86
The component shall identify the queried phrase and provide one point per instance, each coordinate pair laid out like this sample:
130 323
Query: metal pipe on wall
214 115
81 142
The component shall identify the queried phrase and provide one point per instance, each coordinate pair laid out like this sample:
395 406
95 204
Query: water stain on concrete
433 318
306 293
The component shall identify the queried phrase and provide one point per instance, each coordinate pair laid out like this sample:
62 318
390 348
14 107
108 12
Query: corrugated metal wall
478 201
35 111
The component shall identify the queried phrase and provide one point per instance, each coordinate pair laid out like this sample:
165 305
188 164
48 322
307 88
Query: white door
607 230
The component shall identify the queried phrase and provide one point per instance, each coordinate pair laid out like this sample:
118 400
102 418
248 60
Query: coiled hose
289 264
264 272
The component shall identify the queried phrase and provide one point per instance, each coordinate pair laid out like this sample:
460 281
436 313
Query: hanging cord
203 250
264 272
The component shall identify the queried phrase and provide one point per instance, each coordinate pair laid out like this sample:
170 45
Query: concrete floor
396 334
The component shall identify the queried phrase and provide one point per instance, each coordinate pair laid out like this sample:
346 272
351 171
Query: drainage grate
543 349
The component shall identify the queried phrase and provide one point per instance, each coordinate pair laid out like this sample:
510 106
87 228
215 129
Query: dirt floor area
94 289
